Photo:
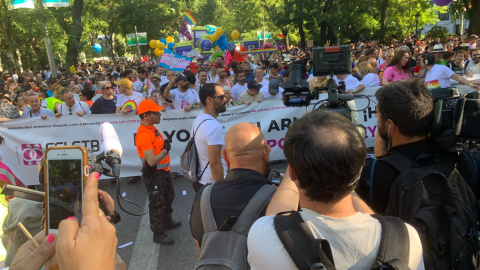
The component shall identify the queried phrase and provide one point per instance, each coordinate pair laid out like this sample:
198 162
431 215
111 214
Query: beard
185 87
476 60
384 135
268 169
220 107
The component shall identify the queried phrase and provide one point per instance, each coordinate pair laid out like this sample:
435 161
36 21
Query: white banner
27 139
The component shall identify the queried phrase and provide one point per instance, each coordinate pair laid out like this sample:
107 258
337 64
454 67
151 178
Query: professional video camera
456 120
326 61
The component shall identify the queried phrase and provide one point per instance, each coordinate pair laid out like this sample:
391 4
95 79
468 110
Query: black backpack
309 253
436 200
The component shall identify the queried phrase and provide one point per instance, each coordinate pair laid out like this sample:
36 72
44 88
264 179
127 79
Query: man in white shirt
258 72
35 110
127 100
274 91
142 84
156 83
183 96
352 84
322 175
241 85
213 77
71 106
210 136
202 79
473 66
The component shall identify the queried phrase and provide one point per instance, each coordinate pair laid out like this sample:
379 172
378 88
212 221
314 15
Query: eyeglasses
108 88
154 81
220 97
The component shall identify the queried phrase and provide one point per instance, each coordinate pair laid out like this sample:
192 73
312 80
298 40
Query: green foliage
438 32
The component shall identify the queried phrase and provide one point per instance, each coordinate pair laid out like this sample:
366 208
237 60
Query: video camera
456 120
326 61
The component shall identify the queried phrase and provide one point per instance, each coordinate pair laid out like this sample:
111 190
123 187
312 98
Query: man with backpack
210 136
325 155
414 179
223 213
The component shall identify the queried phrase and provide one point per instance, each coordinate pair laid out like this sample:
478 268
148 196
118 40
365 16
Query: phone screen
64 189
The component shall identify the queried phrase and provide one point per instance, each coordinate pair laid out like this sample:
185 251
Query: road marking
145 251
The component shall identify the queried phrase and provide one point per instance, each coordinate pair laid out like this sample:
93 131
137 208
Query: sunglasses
154 81
108 88
220 97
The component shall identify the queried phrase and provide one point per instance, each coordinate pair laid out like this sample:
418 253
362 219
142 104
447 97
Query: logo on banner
32 153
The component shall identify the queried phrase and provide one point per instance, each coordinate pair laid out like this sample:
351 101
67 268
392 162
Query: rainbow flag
188 18
433 84
280 36
270 50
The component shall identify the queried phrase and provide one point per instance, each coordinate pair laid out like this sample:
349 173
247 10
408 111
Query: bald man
246 155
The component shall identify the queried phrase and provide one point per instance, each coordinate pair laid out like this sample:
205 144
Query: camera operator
414 179
352 84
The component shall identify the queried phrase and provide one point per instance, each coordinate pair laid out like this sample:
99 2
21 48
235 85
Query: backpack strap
208 163
305 251
208 221
394 248
252 211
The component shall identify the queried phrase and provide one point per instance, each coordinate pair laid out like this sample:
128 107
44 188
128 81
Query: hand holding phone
91 245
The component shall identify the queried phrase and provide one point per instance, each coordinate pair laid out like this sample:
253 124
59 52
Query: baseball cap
180 77
214 64
273 87
124 82
148 105
254 85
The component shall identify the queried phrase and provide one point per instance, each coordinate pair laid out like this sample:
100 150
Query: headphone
426 59
389 126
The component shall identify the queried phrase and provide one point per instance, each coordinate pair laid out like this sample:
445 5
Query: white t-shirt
351 83
210 132
354 241
267 95
472 68
264 84
138 85
182 100
136 97
79 106
438 77
210 79
371 80
237 89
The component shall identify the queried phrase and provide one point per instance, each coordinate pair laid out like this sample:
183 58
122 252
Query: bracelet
471 84
194 106
355 91
165 150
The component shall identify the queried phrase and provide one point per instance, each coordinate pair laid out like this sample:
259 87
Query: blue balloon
97 48
211 30
170 45
222 38
163 40
206 45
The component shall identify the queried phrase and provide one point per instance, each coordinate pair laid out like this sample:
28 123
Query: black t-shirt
228 199
460 70
384 175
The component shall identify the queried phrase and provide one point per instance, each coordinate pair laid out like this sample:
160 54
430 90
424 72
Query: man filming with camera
414 179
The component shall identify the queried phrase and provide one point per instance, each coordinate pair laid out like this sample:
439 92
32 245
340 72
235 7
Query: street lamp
417 16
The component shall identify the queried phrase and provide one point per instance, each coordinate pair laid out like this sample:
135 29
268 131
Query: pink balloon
442 2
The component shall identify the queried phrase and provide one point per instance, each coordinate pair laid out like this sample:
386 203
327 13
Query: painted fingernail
50 238
96 175
71 218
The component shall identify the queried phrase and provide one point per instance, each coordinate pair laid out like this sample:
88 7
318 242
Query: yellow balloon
161 46
153 44
207 36
219 31
235 34
213 37
169 39
158 52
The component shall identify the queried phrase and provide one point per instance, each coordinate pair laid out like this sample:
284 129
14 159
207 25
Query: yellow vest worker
153 150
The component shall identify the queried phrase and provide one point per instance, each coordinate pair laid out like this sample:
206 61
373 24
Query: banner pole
48 45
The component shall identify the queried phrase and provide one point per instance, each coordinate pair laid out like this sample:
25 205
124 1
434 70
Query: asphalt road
143 253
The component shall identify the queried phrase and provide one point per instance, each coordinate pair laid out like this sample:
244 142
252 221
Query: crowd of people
329 189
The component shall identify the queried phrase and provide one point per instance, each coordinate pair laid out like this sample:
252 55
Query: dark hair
447 55
369 51
238 71
398 57
429 59
327 154
234 64
221 56
155 91
274 65
409 104
89 94
207 90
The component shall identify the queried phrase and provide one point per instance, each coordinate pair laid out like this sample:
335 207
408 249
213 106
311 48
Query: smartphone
65 173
